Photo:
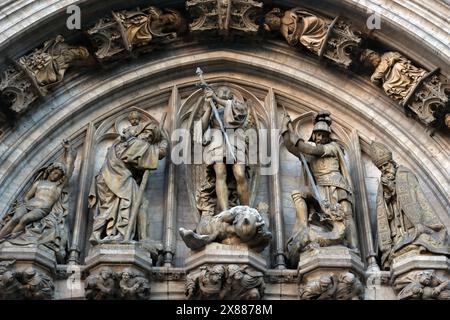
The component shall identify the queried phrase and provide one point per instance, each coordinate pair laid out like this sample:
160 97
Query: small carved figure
225 282
298 26
142 26
239 225
396 73
406 220
423 285
10 287
324 211
49 64
206 285
101 286
133 286
40 218
243 283
345 286
36 285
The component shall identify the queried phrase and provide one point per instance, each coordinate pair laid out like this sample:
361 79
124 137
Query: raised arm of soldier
295 145
207 110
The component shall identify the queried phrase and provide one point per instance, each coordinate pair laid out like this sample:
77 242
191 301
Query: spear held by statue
140 196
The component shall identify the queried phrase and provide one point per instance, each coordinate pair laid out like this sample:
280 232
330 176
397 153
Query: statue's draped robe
398 75
309 29
412 206
115 187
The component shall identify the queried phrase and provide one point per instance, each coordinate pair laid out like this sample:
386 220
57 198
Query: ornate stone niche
224 17
128 33
34 75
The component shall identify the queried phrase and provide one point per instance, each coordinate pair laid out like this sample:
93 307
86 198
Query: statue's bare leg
241 184
15 220
301 210
28 218
221 185
351 235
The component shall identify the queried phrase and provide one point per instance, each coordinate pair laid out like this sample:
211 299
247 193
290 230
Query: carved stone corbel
34 75
131 32
224 16
429 102
342 44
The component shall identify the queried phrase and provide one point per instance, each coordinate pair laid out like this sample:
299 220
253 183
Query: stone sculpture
132 31
423 284
118 188
40 218
109 285
239 225
222 157
224 16
344 286
324 212
394 72
406 220
28 283
133 287
101 286
36 73
298 26
225 282
334 40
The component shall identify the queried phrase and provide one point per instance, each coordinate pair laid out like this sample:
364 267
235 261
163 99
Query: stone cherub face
134 118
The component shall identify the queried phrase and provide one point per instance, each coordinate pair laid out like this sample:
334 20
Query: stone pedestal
39 257
225 272
330 273
118 257
27 272
118 271
421 277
